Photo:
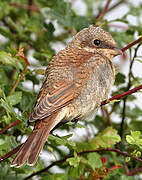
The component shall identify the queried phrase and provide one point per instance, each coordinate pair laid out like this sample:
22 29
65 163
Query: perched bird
77 80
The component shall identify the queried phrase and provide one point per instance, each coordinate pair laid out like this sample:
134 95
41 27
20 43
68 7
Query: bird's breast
95 89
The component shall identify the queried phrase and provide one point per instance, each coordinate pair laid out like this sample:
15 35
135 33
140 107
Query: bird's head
96 40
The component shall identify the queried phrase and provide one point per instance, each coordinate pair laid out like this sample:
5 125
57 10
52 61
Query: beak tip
118 51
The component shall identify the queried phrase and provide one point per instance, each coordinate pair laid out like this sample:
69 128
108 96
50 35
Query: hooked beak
117 51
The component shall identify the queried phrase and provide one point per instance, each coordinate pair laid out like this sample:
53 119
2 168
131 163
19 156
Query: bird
77 80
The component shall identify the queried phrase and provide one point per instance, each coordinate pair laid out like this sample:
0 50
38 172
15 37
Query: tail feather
30 150
37 147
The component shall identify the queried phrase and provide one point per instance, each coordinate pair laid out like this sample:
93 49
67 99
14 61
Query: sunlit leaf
15 98
94 160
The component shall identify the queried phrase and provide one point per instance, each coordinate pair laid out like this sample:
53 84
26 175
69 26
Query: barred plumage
77 80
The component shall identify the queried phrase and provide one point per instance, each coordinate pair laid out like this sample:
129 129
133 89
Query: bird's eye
97 42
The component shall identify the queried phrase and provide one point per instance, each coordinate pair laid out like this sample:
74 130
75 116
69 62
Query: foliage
38 26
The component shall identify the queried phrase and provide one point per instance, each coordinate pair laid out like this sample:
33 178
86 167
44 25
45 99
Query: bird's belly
95 90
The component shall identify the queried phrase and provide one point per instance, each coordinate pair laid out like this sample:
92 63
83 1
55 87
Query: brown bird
77 80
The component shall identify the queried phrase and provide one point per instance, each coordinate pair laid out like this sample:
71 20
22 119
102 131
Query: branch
21 76
122 95
21 54
119 26
104 10
131 44
116 5
132 173
25 6
10 125
126 168
124 154
10 153
30 3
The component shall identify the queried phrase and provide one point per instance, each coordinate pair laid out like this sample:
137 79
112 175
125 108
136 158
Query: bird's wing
59 96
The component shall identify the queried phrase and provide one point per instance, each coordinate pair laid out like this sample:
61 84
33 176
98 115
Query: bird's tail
30 150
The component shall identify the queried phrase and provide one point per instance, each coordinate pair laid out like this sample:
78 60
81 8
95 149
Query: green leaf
50 30
94 160
113 101
136 125
127 159
80 22
63 140
70 123
58 176
135 139
107 138
133 113
130 139
3 77
74 161
7 59
61 12
6 34
78 125
58 140
33 24
15 98
119 79
4 9
135 134
139 60
135 11
7 106
76 172
138 154
5 144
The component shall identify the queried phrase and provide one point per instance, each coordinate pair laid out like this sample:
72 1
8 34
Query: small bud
103 159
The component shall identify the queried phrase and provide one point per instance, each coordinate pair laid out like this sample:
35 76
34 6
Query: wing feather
53 101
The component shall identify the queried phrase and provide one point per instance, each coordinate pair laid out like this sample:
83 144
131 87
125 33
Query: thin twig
124 154
106 116
135 171
113 108
123 117
128 87
10 125
104 10
126 168
20 77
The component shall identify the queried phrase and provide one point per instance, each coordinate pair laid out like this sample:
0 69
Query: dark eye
97 42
